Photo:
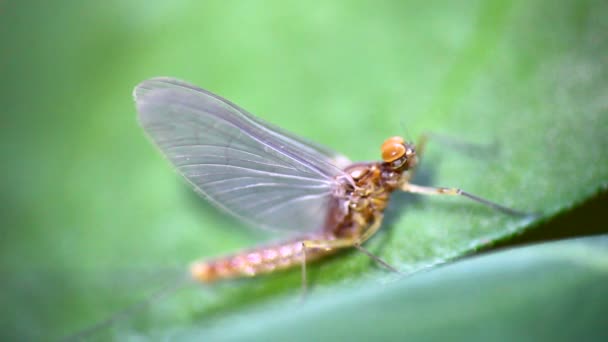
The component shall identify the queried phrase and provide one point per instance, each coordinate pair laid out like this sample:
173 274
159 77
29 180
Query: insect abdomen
254 262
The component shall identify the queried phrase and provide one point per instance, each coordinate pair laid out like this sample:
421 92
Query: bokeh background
93 218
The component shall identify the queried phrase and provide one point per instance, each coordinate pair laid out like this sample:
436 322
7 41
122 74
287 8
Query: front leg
417 189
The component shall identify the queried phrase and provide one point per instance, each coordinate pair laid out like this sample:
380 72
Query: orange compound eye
395 139
392 149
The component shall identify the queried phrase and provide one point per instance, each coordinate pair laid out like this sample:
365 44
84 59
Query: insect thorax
360 204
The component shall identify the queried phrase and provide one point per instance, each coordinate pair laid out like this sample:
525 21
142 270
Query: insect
275 180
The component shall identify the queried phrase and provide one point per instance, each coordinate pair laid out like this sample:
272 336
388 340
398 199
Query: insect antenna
407 135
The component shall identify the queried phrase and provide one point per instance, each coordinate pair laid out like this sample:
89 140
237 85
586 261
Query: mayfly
272 179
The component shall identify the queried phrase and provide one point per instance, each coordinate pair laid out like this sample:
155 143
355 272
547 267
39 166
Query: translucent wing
247 167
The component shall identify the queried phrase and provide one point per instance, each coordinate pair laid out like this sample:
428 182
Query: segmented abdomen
255 262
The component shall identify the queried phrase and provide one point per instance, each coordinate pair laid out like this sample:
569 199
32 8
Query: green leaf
545 292
95 219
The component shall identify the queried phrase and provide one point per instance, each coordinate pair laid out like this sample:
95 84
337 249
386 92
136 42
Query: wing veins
295 199
186 157
256 185
262 139
230 148
269 173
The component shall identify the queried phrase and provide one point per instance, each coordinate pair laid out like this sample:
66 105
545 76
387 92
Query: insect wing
322 152
237 161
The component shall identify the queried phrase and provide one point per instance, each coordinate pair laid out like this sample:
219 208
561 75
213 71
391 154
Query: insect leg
417 189
376 258
369 232
329 244
303 270
319 244
343 243
354 242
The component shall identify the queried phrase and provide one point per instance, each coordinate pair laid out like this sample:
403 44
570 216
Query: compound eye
392 150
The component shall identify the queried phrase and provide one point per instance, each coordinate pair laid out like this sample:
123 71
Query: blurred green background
94 218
